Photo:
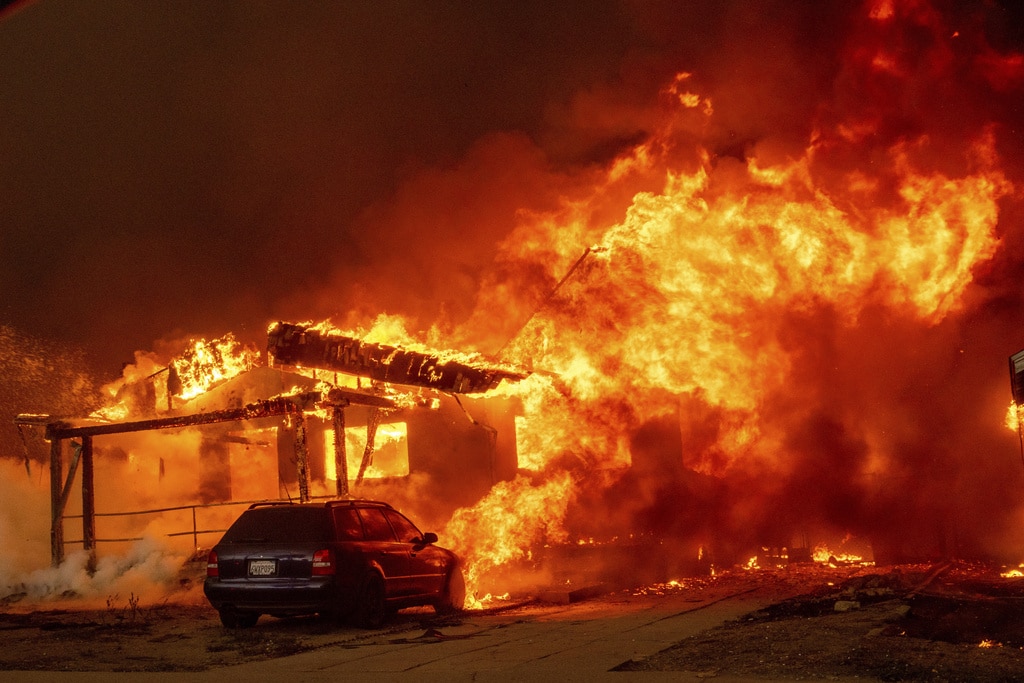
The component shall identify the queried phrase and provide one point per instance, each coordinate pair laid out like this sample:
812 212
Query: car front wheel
454 597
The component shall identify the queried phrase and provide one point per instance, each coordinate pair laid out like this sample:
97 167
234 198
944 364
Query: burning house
328 412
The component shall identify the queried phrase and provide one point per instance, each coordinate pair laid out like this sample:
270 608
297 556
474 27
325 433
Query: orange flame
1013 417
1014 573
514 517
689 294
205 363
823 555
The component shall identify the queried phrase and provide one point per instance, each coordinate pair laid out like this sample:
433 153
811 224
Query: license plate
262 568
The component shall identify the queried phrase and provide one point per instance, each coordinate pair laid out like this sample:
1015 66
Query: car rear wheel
454 596
232 618
371 608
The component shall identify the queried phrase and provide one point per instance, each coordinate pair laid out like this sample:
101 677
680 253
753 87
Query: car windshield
407 532
279 524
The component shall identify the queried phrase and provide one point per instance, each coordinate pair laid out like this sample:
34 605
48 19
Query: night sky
199 168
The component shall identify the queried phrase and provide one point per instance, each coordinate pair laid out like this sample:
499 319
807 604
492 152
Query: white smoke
150 570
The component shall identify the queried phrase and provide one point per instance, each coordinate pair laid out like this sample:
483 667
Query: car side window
406 530
376 525
347 523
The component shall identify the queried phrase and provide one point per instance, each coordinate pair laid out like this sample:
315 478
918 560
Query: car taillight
323 563
212 568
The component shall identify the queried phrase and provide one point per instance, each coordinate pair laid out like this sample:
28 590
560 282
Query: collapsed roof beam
306 346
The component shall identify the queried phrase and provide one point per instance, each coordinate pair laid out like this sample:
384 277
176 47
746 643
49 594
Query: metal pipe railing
195 532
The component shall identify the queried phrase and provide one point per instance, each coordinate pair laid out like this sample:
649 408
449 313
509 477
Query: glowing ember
671 587
825 556
487 601
1015 573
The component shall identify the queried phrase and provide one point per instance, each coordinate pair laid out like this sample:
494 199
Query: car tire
371 606
232 618
454 597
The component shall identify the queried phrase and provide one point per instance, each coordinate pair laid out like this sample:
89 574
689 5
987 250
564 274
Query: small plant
131 613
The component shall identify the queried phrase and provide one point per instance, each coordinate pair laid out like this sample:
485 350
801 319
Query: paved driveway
582 641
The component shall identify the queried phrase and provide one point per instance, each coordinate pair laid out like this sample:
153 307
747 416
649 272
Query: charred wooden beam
62 429
304 346
88 503
301 457
340 456
58 428
343 397
57 518
371 437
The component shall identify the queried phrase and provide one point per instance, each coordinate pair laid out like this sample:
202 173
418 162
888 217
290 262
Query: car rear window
279 524
347 522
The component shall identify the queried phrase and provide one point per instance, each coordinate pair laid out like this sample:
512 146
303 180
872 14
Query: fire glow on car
346 559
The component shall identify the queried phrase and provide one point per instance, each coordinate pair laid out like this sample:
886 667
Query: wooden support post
340 456
371 436
88 503
56 509
301 456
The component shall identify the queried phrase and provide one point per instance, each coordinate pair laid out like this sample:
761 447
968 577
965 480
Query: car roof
345 502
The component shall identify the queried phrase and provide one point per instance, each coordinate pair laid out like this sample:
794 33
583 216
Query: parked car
354 559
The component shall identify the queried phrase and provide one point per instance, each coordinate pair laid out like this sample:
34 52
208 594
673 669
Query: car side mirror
429 537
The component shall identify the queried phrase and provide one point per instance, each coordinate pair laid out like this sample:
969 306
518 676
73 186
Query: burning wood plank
309 347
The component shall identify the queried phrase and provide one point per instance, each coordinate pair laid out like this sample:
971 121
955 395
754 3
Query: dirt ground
949 622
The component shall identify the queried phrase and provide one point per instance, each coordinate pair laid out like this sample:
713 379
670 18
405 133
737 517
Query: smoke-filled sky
196 168
206 167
